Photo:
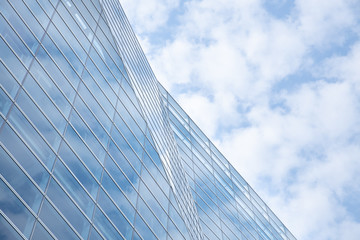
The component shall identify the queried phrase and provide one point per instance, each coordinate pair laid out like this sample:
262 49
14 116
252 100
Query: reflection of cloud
229 68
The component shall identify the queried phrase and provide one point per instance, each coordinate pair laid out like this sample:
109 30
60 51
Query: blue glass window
24 156
5 102
41 233
15 210
55 222
94 235
44 79
7 81
43 101
78 169
73 187
87 136
117 218
28 132
105 227
68 209
118 196
12 62
19 181
83 152
143 229
7 232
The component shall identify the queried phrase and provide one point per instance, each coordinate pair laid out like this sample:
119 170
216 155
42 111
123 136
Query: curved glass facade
91 145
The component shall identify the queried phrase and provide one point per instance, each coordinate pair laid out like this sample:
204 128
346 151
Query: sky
275 85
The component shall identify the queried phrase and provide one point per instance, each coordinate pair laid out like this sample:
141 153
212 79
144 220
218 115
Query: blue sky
276 85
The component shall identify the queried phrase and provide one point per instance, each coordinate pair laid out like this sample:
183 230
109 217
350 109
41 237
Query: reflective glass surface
93 147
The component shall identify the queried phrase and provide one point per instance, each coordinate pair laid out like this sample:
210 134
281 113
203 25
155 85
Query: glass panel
7 232
38 119
51 88
74 189
143 229
13 62
70 38
53 70
117 195
87 136
156 183
120 179
104 226
123 163
75 27
112 58
102 68
61 61
29 18
19 181
7 81
78 169
44 103
98 94
94 235
91 121
65 48
114 215
46 5
5 102
15 210
179 225
55 222
83 152
22 154
103 84
40 233
14 41
150 219
129 136
95 107
68 209
30 135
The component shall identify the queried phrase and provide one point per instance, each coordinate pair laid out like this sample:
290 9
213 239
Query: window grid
141 115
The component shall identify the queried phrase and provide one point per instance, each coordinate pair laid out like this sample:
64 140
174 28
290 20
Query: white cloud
148 15
301 155
322 21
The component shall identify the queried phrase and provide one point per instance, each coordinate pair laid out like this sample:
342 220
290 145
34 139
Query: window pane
7 232
68 209
12 62
42 77
22 154
120 200
15 210
14 41
40 233
78 169
104 226
94 235
44 103
30 135
55 223
19 181
5 102
7 81
114 215
83 152
74 189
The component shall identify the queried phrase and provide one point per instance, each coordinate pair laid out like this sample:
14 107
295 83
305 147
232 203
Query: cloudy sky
276 85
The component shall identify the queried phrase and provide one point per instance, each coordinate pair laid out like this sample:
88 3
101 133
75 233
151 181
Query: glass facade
93 147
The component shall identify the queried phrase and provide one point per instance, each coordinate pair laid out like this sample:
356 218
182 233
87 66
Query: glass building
93 147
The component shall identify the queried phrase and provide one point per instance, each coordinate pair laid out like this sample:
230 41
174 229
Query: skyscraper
93 147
